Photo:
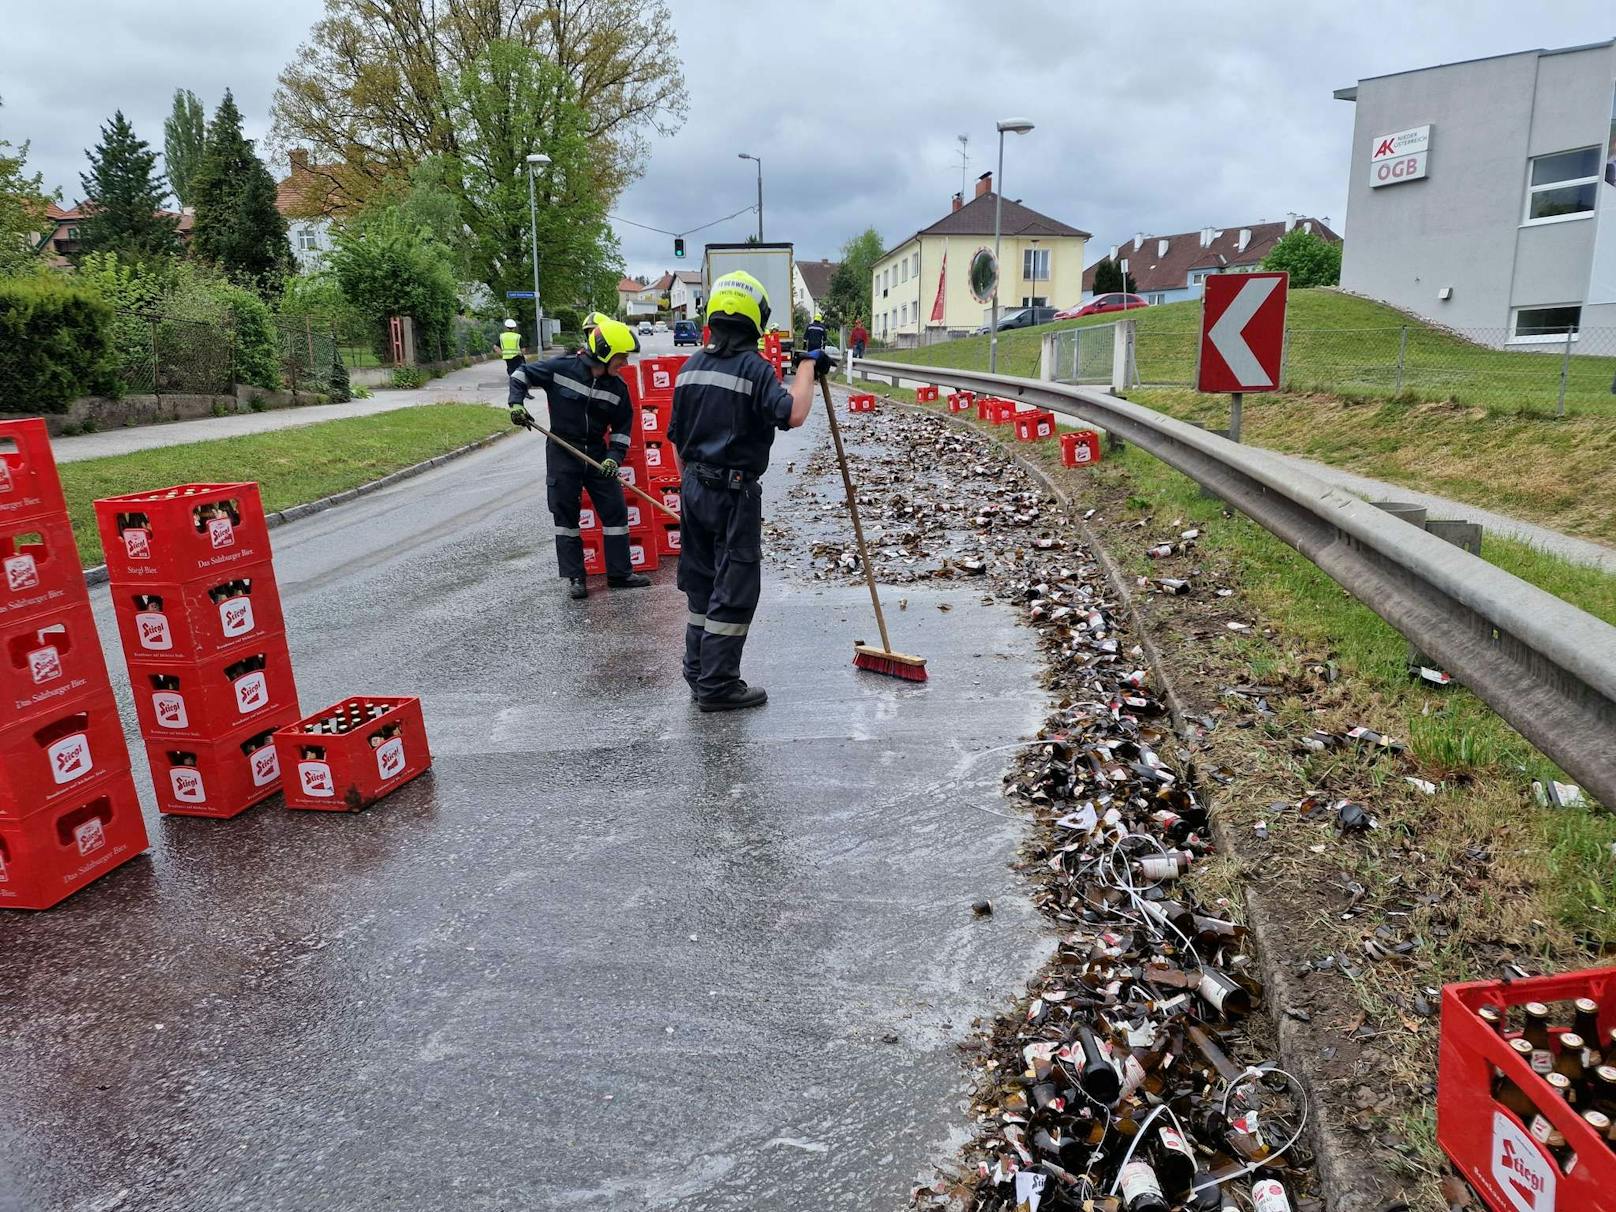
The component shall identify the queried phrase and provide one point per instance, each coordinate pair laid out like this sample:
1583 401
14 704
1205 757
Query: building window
307 241
906 269
1034 301
1155 299
1035 264
1562 185
917 265
1545 323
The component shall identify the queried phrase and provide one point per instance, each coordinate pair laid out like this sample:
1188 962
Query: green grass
1338 344
291 466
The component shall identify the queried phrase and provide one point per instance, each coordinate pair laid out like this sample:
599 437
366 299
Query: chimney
957 204
1113 253
1138 240
1290 221
1244 240
1161 249
300 160
984 184
1308 227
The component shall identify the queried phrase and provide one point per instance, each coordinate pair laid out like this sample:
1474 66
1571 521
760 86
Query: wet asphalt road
610 953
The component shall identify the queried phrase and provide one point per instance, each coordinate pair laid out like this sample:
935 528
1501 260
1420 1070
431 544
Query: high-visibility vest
510 343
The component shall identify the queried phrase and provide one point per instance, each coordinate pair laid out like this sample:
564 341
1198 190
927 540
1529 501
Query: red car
1102 303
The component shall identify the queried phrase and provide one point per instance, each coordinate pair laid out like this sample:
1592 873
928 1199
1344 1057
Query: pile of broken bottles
1117 1091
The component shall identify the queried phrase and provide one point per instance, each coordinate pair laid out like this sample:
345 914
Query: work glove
519 415
609 465
823 362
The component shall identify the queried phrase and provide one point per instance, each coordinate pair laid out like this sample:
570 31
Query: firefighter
813 337
510 346
587 398
727 405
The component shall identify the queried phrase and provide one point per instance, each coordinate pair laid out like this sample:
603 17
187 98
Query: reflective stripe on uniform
569 531
583 389
614 530
715 378
715 627
697 620
620 439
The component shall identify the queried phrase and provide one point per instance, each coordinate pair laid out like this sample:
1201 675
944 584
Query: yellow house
1042 261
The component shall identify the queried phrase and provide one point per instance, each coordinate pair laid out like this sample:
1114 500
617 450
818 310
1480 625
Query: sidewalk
484 382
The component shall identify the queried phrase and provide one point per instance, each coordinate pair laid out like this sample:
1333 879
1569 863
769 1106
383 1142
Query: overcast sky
1160 115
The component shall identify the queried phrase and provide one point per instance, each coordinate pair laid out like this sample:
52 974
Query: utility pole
759 161
1020 126
534 162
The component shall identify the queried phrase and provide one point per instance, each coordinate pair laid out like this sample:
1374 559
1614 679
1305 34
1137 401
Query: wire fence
160 355
1554 374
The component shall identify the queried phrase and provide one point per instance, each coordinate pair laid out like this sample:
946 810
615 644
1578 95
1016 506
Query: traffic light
678 246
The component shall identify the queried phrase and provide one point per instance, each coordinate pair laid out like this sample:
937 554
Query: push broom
567 446
866 656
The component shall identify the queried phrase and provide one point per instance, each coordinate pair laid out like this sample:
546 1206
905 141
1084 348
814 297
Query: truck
770 264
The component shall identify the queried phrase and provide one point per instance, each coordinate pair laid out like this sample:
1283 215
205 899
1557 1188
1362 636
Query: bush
410 376
386 267
568 319
258 343
336 382
55 345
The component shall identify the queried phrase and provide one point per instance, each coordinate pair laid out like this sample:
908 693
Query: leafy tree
388 268
22 207
848 298
184 140
126 193
1310 259
237 226
1109 278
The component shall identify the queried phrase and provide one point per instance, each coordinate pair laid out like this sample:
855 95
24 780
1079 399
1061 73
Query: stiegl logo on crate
187 784
169 708
390 758
266 766
138 544
21 572
236 616
221 533
70 758
315 779
89 836
252 692
153 631
44 665
1521 1171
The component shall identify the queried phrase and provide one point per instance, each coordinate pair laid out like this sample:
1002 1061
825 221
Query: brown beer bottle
1537 1034
1586 1025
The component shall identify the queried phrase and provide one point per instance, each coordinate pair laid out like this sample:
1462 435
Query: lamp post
535 161
1020 126
759 161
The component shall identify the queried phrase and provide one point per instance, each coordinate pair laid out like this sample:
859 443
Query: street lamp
759 160
1020 126
535 161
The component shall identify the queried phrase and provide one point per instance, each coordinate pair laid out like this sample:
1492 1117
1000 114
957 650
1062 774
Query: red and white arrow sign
1242 332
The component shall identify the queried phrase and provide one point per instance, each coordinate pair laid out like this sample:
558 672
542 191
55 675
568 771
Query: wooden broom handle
852 508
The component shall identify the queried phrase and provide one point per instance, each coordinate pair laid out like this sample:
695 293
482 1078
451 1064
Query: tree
22 208
387 268
238 227
380 82
184 140
848 298
1109 278
1310 259
125 193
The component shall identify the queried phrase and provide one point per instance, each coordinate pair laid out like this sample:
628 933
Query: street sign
1242 332
519 294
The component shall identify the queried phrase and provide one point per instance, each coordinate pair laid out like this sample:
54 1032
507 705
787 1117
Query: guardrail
1546 667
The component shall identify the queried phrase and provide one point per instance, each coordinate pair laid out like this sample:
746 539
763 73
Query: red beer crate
1034 426
39 568
1080 448
204 699
644 548
630 374
218 778
961 401
926 393
657 376
1001 412
671 497
668 541
46 759
182 533
344 772
1488 1144
861 402
49 855
588 519
654 417
48 659
29 485
660 462
594 555
162 620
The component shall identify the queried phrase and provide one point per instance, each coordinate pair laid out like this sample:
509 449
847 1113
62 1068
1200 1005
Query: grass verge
1452 885
291 466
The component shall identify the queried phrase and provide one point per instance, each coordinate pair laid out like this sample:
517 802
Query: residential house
637 300
61 242
810 283
684 296
923 285
308 197
1167 269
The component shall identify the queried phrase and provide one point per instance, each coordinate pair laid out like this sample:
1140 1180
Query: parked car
662 326
645 328
1026 317
1116 301
685 332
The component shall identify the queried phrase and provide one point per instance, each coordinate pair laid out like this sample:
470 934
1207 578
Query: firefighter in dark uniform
813 337
727 405
587 399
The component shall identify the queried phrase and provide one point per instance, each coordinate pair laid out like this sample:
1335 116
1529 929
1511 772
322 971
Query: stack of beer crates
204 639
68 808
657 377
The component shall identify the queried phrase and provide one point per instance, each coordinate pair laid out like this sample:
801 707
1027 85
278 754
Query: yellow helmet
819 318
609 339
738 294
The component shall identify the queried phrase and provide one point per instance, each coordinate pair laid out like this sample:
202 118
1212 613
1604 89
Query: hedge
55 345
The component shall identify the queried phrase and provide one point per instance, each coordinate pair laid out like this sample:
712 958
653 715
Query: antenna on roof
965 161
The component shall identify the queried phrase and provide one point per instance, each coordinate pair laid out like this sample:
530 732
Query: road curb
1350 1182
292 513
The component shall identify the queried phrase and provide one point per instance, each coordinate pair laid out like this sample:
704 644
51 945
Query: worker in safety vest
813 337
589 408
510 346
727 405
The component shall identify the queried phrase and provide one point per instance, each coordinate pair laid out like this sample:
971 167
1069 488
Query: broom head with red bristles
893 664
